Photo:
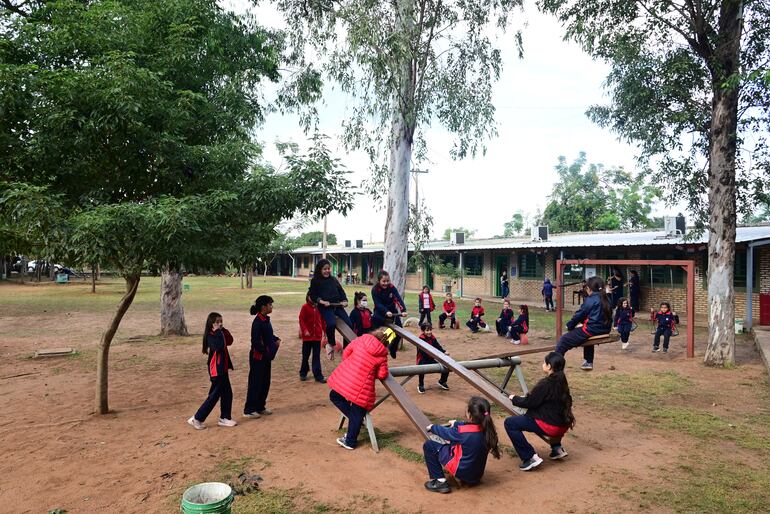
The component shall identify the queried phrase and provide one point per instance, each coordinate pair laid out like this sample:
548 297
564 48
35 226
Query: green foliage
667 63
513 228
30 219
315 237
591 197
469 232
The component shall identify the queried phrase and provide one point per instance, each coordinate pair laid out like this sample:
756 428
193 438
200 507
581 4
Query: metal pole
293 266
426 369
690 268
559 284
749 284
462 274
324 239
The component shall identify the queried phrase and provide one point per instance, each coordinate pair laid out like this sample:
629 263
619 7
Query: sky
540 103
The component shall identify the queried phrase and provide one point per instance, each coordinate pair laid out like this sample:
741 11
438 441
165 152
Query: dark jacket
624 316
424 358
633 284
327 289
591 316
666 320
361 319
506 316
523 322
542 403
219 362
264 344
466 454
547 288
386 300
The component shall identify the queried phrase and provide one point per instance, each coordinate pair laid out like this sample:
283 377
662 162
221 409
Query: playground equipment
467 370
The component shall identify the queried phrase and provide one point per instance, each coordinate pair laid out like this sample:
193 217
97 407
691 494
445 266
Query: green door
428 272
501 264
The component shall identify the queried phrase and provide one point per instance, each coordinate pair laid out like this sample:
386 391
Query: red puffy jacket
363 361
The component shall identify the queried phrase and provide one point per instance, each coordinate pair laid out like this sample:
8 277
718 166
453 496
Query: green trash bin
62 278
186 287
208 498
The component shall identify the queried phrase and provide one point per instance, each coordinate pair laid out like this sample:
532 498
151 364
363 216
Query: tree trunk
240 273
250 277
402 139
172 321
93 278
23 269
103 352
721 180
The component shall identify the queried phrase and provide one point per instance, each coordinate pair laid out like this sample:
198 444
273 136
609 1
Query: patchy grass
388 441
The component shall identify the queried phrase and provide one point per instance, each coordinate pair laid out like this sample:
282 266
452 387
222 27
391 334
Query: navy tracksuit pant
314 348
220 391
666 333
354 413
624 329
515 426
329 314
572 339
259 385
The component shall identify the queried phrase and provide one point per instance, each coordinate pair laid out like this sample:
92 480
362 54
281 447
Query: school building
480 263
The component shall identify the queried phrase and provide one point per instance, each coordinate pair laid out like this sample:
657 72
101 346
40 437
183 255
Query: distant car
32 266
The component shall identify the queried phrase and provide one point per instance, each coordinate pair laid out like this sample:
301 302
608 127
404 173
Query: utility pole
324 240
416 174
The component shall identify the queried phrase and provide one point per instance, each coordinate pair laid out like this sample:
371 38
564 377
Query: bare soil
57 454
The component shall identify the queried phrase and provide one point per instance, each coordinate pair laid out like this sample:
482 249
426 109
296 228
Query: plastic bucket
209 498
738 326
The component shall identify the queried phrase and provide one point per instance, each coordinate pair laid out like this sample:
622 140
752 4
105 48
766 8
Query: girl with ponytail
468 444
264 346
594 318
549 413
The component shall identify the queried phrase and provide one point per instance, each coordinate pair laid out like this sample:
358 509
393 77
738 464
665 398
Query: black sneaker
321 380
435 486
443 385
665 350
655 349
421 389
303 377
393 347
558 453
532 463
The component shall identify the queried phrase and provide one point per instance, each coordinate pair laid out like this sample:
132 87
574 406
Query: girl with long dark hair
465 455
327 293
264 346
549 413
594 318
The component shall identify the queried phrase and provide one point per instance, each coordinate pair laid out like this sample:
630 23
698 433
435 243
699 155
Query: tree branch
17 9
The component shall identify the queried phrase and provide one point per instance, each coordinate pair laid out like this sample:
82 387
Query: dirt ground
57 454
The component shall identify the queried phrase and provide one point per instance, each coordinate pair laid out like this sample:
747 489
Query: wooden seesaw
467 370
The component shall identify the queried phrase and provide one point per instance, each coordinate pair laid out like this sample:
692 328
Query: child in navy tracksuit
503 323
361 315
520 326
425 305
424 358
595 318
216 339
667 321
547 292
468 444
388 307
264 346
624 321
476 320
326 292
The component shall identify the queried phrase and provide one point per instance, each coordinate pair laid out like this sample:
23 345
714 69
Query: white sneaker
223 422
516 341
624 346
252 415
197 425
265 412
329 352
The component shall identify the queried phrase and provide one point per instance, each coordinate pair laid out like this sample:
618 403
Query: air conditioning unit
359 243
348 243
458 238
670 226
320 244
539 233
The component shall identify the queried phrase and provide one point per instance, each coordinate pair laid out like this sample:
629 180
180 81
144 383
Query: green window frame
740 271
473 264
663 276
530 266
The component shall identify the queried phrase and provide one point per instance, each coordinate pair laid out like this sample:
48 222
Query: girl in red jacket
465 455
311 328
477 313
352 382
216 339
425 305
450 310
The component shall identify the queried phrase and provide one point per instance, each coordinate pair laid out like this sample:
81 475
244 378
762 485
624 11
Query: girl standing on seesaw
328 294
624 321
361 315
352 382
476 320
424 358
549 413
595 318
311 328
264 346
520 326
465 455
216 339
450 311
667 321
503 323
425 305
388 306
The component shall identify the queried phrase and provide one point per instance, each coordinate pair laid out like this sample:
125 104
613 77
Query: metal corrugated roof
570 240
